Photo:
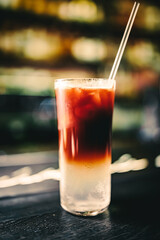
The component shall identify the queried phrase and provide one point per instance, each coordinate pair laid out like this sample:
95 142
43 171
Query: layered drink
84 111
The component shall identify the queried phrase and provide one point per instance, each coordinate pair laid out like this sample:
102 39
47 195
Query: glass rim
61 82
82 78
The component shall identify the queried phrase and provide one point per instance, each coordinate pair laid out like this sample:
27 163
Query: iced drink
84 111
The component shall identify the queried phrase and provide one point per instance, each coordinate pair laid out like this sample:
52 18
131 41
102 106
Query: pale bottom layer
85 189
84 213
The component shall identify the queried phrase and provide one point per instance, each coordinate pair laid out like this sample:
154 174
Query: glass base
85 213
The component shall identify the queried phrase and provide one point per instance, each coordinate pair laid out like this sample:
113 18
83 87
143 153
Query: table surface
32 211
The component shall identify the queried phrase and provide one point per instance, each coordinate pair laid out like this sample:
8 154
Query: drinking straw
124 40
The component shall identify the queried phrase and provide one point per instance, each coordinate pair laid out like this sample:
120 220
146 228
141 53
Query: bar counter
32 211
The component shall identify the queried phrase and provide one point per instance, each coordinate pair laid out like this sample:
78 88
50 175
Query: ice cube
86 111
96 98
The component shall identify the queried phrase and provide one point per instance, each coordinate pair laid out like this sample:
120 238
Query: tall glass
84 111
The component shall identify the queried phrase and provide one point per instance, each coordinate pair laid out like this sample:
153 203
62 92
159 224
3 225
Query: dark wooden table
33 211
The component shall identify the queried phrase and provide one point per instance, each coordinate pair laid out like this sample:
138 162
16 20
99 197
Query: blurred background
41 40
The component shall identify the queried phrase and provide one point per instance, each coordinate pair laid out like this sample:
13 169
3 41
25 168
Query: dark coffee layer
85 122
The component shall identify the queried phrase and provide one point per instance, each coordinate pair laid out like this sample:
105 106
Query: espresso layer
84 123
